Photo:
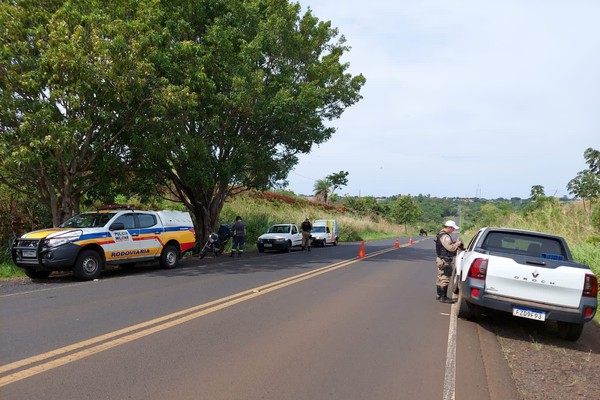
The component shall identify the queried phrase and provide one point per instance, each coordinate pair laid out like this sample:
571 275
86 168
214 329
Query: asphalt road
305 325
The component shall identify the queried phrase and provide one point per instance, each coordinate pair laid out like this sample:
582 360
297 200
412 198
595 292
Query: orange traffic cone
361 252
410 241
397 245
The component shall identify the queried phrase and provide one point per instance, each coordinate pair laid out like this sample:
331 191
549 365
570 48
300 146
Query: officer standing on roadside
239 237
445 249
306 227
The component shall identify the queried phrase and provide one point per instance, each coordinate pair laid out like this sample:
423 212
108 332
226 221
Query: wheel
569 330
88 266
218 249
288 247
169 257
203 252
335 242
467 310
35 274
261 250
454 281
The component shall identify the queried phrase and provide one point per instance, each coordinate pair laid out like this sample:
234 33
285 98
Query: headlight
280 239
59 240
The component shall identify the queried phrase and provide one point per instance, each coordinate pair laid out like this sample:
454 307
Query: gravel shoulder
543 366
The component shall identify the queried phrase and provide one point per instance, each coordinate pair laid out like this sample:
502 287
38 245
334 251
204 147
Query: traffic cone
410 241
397 245
361 251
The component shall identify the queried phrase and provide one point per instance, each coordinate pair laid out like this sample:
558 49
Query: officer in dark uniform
445 249
306 228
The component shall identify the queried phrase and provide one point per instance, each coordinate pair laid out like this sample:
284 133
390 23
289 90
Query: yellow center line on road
37 364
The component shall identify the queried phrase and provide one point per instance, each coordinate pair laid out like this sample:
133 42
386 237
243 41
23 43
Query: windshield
318 229
279 229
88 220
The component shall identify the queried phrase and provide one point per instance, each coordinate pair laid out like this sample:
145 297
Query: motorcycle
216 241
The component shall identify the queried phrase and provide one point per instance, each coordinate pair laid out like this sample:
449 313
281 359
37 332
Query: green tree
199 99
405 211
366 204
322 188
537 192
74 78
338 180
262 80
592 157
586 186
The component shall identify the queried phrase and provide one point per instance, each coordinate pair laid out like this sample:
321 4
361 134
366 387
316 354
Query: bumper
473 292
61 258
272 246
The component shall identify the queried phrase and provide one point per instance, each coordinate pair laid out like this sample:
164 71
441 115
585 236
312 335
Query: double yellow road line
25 368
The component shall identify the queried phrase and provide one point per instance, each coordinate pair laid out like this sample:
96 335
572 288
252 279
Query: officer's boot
439 292
444 294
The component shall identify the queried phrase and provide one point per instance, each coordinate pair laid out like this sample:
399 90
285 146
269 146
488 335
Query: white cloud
503 94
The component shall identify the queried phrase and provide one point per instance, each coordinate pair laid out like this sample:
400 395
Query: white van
324 232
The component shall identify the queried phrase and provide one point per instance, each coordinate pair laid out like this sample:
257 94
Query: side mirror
117 226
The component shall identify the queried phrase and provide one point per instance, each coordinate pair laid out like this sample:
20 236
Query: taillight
590 286
478 268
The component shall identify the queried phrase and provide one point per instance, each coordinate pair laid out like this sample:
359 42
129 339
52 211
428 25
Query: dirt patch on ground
547 367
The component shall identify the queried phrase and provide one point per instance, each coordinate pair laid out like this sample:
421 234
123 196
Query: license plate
531 314
268 245
29 253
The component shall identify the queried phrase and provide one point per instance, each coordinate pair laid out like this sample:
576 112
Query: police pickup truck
528 274
89 242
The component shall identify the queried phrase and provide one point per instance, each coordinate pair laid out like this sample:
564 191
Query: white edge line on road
450 374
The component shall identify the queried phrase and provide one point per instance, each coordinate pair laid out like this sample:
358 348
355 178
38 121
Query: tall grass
260 214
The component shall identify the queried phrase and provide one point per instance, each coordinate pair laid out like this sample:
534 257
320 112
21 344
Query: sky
462 98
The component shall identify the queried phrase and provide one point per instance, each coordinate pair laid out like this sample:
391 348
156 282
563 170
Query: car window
88 220
525 244
146 220
294 230
128 221
279 229
473 241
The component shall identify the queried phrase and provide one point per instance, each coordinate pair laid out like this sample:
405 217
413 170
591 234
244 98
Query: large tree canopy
74 78
262 79
203 97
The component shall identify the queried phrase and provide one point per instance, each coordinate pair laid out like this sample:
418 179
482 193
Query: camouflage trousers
444 272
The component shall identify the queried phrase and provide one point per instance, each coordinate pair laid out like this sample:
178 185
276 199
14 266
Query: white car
528 274
280 237
324 232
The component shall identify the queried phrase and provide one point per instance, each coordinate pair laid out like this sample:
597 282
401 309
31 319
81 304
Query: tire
35 274
288 248
569 330
203 252
218 249
467 310
89 265
454 281
335 242
169 258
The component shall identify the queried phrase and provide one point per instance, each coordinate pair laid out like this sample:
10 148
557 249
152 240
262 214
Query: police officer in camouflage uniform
445 249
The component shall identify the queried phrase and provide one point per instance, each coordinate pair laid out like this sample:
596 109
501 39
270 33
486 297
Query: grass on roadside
9 270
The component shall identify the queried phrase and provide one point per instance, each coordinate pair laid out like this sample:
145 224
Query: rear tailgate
550 282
